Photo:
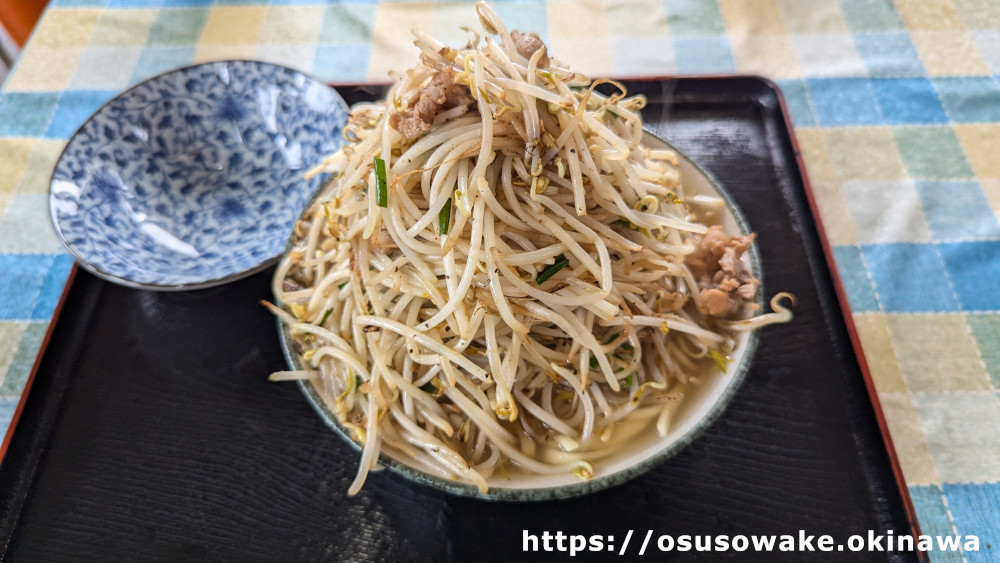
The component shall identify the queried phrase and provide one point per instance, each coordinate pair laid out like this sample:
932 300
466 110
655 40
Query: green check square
932 152
122 28
182 26
986 329
347 24
24 359
694 18
871 15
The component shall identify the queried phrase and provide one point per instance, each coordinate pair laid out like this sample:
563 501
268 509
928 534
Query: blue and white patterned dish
194 177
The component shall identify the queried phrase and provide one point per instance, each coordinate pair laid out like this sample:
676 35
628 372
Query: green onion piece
502 470
428 388
358 382
547 76
444 217
628 346
609 337
549 271
720 360
593 362
326 315
341 286
626 382
381 187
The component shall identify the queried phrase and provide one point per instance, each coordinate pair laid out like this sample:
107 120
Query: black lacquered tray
150 431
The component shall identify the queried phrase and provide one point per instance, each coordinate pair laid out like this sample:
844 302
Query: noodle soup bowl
703 402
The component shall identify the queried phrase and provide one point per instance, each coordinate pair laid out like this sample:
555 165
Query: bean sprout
528 277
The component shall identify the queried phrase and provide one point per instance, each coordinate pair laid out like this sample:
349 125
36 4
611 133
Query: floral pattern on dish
194 177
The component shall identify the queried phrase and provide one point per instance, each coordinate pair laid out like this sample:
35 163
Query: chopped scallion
381 185
444 217
624 223
720 360
326 315
549 271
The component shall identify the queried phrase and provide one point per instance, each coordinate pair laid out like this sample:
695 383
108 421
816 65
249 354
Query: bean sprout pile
501 273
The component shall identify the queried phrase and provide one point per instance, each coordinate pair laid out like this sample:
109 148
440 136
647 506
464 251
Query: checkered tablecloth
896 107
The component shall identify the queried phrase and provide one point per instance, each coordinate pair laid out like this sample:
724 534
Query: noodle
524 279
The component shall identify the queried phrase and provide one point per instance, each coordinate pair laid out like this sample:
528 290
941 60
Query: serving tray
151 432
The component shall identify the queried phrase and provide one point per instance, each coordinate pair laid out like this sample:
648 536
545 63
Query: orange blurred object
18 17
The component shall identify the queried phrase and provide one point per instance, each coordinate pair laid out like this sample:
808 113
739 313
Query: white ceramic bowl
701 406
